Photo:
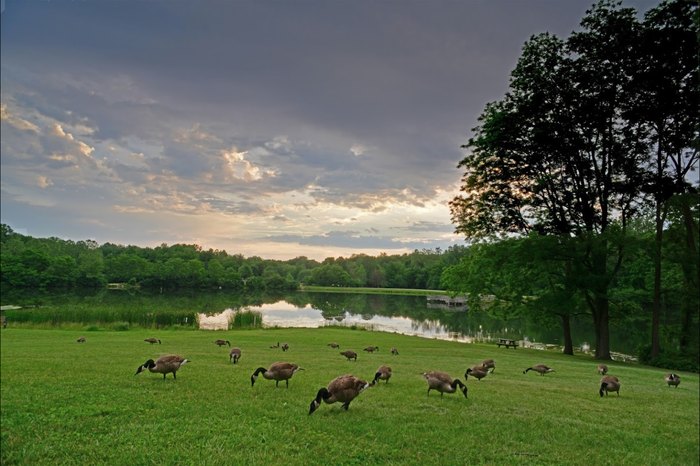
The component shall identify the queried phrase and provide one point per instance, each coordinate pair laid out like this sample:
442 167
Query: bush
120 326
668 359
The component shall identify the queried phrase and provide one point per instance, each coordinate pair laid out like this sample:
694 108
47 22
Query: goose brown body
81 340
349 354
602 369
479 372
489 364
539 368
277 371
334 345
221 343
371 349
342 389
285 347
382 373
672 379
152 340
609 383
164 365
234 355
443 383
394 351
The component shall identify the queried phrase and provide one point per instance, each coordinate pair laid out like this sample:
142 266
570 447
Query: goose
333 345
277 371
371 349
349 354
81 340
383 373
342 389
221 343
275 346
489 364
479 372
285 347
152 340
234 355
602 369
394 351
541 368
164 365
609 383
673 379
443 383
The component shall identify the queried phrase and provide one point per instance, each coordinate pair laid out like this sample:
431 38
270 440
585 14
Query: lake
409 315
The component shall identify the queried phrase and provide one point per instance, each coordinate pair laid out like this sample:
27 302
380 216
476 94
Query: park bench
507 343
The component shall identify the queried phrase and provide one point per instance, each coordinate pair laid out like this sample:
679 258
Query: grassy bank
65 402
341 289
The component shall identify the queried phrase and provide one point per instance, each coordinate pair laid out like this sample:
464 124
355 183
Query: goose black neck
322 394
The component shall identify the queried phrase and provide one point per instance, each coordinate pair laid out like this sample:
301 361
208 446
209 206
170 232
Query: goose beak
138 371
313 407
252 380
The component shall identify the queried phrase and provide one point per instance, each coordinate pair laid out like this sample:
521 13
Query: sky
271 128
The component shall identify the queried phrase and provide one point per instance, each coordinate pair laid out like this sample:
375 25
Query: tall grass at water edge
64 402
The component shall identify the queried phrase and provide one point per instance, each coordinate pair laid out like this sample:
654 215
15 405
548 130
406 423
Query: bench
507 343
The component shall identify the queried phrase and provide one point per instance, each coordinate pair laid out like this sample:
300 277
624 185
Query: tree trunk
566 326
601 320
692 278
656 302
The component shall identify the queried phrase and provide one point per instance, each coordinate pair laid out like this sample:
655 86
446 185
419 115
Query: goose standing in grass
383 373
672 379
285 347
164 365
342 389
489 364
540 368
609 383
234 355
81 340
275 346
349 354
221 343
334 345
277 371
443 383
478 372
372 349
394 351
602 369
152 340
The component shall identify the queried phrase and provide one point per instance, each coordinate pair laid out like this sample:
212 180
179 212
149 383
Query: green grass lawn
71 403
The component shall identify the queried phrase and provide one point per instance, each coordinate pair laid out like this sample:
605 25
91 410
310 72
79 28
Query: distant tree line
54 263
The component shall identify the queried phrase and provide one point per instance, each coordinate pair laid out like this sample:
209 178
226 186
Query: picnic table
507 343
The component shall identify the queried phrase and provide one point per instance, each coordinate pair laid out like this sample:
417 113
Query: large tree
556 156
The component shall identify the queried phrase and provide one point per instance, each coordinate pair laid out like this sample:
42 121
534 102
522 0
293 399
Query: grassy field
68 403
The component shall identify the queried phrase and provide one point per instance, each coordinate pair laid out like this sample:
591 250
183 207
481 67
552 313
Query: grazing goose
372 349
541 368
602 369
152 340
334 345
277 371
235 355
81 340
221 343
164 365
672 379
609 383
443 383
383 373
276 346
394 351
479 372
342 389
285 347
349 354
489 364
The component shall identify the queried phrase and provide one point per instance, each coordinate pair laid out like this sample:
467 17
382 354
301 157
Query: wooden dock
445 300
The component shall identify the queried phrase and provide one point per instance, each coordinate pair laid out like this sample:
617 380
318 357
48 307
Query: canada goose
234 355
443 383
383 373
489 364
81 340
221 343
152 340
285 347
334 345
276 346
164 365
372 349
541 368
673 379
602 369
394 351
349 354
609 383
479 372
342 389
277 371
